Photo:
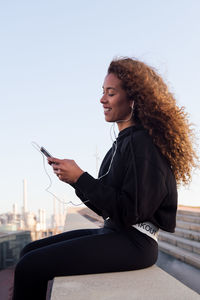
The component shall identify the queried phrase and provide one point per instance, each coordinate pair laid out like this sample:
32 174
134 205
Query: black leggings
77 252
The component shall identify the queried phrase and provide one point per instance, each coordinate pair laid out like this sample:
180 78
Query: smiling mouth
107 109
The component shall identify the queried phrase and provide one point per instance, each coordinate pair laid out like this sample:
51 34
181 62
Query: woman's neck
124 124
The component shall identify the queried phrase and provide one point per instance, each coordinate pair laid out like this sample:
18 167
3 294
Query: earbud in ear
132 105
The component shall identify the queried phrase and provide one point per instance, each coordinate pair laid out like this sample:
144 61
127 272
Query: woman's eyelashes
109 94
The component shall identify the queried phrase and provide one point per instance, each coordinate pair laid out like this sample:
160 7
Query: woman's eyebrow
109 88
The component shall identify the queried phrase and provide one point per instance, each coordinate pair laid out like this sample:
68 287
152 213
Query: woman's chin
109 120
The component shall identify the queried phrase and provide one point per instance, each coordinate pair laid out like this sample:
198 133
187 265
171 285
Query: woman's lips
106 110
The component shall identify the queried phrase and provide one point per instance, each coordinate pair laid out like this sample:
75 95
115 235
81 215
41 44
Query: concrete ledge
76 221
151 283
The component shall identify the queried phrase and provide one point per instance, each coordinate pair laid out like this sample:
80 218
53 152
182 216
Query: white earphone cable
47 189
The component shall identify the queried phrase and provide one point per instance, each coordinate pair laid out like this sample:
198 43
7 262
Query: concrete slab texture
151 283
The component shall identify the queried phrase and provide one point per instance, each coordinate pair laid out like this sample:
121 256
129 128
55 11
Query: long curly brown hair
156 110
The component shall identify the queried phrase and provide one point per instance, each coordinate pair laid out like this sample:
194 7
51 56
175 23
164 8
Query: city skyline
22 218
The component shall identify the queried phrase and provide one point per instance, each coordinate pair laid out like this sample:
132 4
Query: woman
136 190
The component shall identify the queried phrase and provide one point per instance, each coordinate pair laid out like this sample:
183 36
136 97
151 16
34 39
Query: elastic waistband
145 227
148 228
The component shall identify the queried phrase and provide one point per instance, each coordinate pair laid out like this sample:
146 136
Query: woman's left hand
66 169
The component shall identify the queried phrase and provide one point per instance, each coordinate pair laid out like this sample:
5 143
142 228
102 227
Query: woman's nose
103 99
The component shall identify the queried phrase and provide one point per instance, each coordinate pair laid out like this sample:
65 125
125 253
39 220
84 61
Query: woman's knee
25 250
29 247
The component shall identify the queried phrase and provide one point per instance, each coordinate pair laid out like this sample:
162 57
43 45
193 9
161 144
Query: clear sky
53 59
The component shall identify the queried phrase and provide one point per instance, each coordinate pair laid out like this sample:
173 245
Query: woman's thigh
57 238
105 251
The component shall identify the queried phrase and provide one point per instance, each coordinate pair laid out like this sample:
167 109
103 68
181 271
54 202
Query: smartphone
45 152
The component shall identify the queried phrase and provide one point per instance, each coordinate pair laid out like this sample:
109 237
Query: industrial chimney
24 196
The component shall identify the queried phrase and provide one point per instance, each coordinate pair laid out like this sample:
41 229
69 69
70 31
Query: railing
10 246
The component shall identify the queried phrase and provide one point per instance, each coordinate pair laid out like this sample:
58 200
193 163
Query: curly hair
156 110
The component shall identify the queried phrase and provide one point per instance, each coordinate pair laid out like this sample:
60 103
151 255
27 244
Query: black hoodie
140 185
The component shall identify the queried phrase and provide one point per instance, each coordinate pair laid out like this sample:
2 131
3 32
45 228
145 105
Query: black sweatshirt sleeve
86 201
135 199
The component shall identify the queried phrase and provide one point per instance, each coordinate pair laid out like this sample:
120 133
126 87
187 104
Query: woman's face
116 105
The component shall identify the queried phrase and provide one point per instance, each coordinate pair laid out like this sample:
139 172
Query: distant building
59 216
42 219
25 220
